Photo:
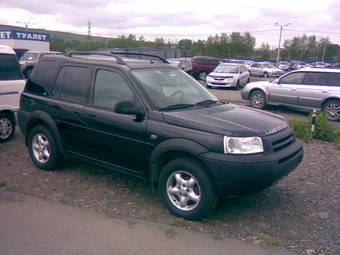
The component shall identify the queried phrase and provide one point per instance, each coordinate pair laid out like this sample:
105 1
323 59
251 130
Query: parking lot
301 213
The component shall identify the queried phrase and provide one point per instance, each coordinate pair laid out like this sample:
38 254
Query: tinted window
315 79
294 78
9 67
333 79
74 84
203 61
109 89
255 65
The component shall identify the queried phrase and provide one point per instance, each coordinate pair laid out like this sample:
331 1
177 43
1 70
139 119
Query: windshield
29 56
227 69
168 87
268 66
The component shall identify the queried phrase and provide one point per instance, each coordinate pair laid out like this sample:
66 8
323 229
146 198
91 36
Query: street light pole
278 49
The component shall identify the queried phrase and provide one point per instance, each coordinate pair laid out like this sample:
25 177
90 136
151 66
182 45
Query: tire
202 189
41 142
202 76
265 75
257 99
332 109
7 127
238 85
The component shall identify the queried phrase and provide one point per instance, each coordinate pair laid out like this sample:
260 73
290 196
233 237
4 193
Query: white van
11 85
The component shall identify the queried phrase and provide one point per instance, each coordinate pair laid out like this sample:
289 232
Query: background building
22 41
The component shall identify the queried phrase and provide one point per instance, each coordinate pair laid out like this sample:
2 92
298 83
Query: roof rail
119 60
141 54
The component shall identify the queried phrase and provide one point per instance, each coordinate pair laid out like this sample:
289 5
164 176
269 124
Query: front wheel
258 99
332 110
265 75
202 76
186 189
7 127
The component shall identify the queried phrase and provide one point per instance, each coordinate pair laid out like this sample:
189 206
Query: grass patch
3 184
270 240
324 130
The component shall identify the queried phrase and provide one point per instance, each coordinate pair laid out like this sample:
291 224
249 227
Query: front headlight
242 145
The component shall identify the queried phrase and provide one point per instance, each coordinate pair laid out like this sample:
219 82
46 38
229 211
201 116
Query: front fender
173 145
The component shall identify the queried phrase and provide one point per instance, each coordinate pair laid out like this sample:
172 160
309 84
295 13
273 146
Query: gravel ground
301 213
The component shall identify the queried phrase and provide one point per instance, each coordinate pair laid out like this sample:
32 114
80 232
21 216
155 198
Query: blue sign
24 35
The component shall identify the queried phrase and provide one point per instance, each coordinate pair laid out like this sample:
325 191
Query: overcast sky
176 19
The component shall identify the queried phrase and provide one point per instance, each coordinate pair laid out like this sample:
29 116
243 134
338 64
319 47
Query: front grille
289 157
283 142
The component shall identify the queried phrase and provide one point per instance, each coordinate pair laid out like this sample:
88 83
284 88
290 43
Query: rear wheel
7 127
43 148
186 189
332 109
257 99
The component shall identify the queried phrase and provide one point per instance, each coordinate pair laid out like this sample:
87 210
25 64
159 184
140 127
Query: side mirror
129 107
276 81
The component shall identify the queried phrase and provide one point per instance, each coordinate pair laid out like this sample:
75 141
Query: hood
273 69
228 119
222 74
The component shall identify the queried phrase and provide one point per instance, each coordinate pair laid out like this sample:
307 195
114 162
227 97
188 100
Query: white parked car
265 69
11 85
228 75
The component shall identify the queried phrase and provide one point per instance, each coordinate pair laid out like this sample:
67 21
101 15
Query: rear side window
294 78
74 83
333 79
40 80
203 61
315 79
9 67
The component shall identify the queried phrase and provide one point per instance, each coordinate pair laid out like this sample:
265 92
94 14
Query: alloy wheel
41 148
183 190
6 128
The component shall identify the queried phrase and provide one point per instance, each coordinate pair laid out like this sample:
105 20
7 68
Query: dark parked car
30 58
202 66
151 120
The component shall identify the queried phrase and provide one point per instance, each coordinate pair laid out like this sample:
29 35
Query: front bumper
222 83
242 174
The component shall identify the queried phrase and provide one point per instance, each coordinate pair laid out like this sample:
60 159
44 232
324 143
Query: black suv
149 119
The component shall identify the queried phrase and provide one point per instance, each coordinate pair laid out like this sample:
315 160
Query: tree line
233 45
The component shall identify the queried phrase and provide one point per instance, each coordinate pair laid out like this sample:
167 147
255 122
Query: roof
44 52
109 61
314 69
231 64
6 50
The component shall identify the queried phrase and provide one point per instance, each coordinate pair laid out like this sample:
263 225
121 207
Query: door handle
324 91
293 89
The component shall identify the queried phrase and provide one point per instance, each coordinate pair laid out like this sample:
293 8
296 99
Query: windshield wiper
176 106
208 102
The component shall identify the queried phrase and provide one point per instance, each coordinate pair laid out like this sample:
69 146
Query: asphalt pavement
31 225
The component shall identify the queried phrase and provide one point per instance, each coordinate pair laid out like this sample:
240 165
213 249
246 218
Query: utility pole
26 24
324 52
278 48
88 34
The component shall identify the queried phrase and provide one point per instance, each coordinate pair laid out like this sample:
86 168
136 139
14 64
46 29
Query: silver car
228 75
265 69
308 88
